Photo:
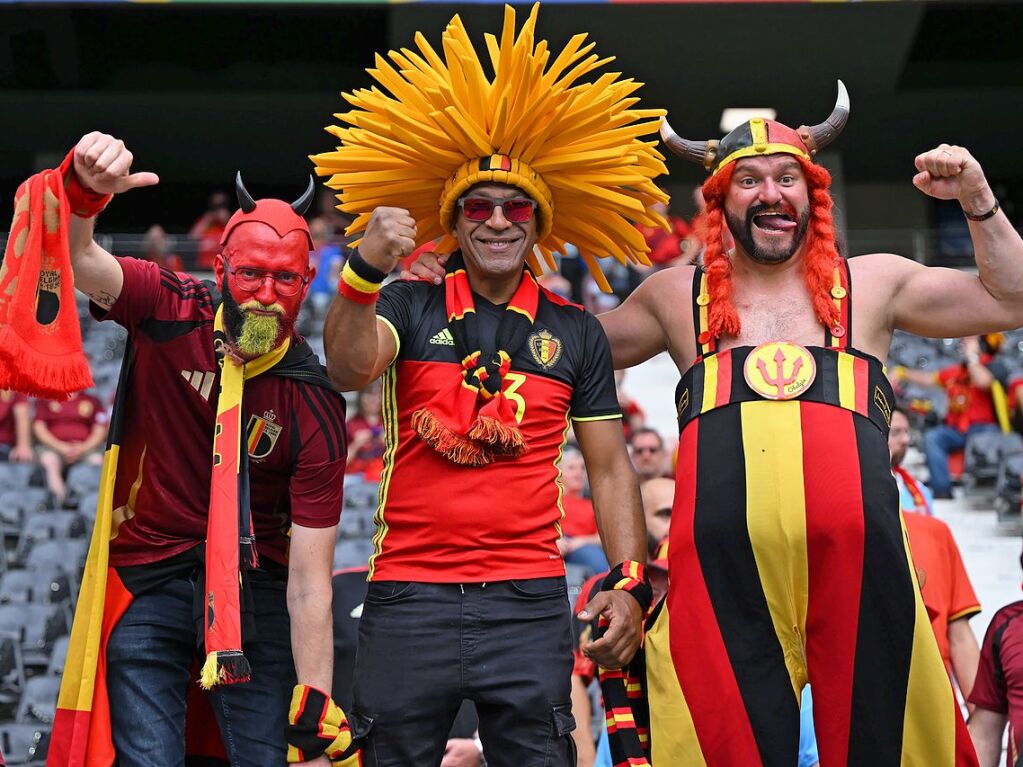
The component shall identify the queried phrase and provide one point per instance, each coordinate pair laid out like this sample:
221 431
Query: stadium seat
68 555
58 656
83 479
87 505
24 744
1008 489
575 577
49 526
15 475
352 553
360 494
984 454
36 627
39 700
12 671
19 503
52 586
356 523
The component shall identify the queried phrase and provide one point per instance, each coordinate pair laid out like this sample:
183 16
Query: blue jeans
591 555
939 443
149 658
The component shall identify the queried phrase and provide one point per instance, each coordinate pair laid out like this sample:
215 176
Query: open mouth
775 222
498 245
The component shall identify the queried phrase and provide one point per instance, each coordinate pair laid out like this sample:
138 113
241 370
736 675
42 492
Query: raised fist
103 164
390 236
949 173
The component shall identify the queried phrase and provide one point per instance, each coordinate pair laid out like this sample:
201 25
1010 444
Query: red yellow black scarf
470 421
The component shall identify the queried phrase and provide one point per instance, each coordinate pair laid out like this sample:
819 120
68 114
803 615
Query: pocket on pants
540 588
389 592
562 751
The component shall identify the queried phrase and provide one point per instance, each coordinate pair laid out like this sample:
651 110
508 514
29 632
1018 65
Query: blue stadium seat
352 553
87 505
15 475
39 700
83 479
36 627
52 586
49 526
356 523
24 744
67 555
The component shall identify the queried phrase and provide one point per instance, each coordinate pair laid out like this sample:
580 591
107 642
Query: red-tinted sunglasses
517 210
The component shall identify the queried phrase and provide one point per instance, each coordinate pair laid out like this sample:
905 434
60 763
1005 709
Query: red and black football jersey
295 429
441 522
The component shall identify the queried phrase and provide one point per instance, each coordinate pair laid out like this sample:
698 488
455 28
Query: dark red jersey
441 522
293 422
999 683
8 399
73 420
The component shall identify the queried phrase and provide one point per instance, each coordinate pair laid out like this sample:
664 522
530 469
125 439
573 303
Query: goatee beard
251 335
742 231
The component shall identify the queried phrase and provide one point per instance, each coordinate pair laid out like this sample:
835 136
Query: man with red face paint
787 553
192 346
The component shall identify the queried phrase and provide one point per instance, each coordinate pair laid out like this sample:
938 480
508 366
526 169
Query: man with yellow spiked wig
483 377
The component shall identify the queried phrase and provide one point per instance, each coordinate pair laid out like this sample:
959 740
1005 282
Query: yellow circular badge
780 370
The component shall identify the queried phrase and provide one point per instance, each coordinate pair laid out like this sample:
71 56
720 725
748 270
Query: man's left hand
950 172
624 631
461 752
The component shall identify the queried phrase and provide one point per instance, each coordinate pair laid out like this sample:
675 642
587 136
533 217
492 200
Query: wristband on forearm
359 281
632 577
317 726
982 216
84 202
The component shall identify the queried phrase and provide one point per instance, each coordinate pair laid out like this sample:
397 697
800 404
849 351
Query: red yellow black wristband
359 281
631 576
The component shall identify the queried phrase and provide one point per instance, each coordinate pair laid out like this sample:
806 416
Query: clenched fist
103 164
951 173
390 236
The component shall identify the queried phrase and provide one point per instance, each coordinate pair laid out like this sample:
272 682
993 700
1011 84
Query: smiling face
497 247
767 207
258 320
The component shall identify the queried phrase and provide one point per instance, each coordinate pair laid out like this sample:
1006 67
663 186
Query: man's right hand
103 164
429 267
390 236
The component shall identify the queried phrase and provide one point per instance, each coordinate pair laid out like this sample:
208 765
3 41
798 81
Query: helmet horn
245 201
819 136
301 205
702 152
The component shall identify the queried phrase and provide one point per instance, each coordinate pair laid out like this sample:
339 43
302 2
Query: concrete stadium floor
990 551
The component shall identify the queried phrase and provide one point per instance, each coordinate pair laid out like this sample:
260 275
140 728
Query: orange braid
820 255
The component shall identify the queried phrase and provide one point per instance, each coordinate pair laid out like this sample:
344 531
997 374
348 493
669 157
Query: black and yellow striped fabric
790 565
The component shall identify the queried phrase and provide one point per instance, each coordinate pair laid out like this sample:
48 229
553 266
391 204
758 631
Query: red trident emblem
766 366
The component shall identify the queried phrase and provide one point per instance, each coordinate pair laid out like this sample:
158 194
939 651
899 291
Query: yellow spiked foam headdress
574 147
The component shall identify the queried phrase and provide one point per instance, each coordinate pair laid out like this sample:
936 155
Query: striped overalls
789 564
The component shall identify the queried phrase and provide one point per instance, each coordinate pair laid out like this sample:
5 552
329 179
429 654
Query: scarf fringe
504 439
455 448
26 369
224 667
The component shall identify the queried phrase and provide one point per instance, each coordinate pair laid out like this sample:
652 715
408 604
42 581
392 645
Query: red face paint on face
257 247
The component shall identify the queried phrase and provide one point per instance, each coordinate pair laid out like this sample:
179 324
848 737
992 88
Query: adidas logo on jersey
443 338
201 381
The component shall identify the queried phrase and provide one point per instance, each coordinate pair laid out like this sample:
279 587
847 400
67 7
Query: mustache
756 210
261 307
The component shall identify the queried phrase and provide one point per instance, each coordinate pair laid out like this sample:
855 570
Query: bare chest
787 316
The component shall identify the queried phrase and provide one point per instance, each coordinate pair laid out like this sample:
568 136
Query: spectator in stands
209 228
677 247
15 427
997 694
67 433
156 247
946 589
185 386
579 543
327 257
658 497
974 388
366 434
649 458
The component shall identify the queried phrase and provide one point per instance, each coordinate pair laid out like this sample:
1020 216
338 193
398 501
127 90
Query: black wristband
982 216
364 270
